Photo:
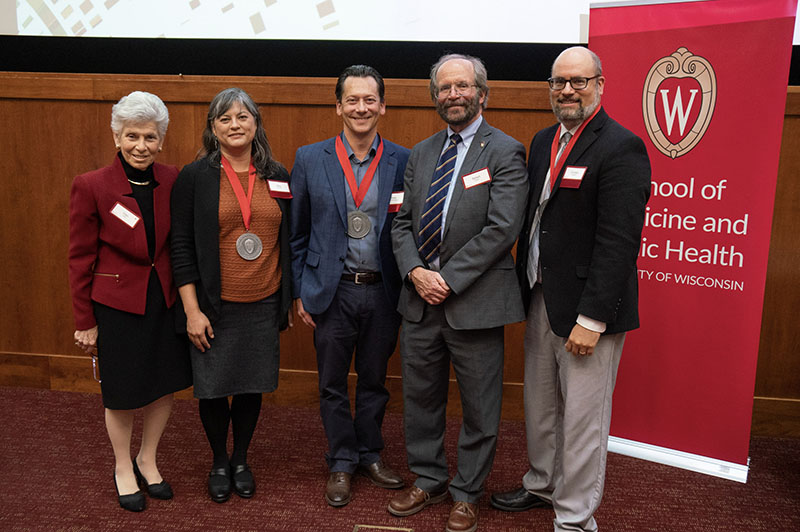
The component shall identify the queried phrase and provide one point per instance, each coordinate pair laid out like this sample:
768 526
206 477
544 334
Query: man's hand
581 341
430 285
305 316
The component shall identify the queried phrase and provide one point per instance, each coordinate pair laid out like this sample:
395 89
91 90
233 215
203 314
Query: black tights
242 413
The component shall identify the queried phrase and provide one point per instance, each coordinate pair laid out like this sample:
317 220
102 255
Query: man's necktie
533 247
430 223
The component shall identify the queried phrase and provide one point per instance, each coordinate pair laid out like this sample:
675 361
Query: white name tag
476 178
125 214
573 175
396 199
279 189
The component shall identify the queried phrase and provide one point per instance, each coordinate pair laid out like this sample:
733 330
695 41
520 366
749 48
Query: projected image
385 20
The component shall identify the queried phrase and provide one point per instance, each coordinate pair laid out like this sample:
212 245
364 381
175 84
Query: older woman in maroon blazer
123 294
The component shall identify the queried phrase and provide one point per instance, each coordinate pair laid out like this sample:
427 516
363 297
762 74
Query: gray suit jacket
483 222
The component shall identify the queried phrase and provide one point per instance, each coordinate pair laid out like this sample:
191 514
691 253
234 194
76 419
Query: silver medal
249 246
358 224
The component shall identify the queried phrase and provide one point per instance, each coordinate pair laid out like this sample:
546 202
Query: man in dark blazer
576 263
346 191
465 190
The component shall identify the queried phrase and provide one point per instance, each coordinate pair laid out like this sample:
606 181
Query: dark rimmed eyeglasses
577 83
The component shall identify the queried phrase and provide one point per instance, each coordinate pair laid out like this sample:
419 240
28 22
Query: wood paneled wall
55 126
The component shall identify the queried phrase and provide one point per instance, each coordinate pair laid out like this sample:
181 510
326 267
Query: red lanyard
555 168
244 201
344 161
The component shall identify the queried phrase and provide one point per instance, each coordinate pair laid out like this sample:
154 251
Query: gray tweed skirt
245 351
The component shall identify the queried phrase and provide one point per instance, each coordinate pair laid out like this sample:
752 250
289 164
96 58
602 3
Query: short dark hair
359 71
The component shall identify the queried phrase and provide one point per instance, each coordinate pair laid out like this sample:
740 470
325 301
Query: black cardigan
195 239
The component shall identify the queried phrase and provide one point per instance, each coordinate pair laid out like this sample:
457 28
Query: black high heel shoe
162 490
134 502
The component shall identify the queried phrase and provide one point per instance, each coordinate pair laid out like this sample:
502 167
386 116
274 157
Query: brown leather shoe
463 517
337 490
412 500
382 476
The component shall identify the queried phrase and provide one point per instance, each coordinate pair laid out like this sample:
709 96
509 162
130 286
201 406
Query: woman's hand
87 340
199 330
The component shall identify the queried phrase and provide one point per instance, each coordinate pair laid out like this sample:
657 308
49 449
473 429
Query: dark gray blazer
195 239
482 224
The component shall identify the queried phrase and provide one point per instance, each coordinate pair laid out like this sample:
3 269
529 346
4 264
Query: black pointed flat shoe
162 490
133 502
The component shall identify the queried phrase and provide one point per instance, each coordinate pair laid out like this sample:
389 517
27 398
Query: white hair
139 107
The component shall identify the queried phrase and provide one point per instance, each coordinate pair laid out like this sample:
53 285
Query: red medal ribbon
555 169
244 201
344 161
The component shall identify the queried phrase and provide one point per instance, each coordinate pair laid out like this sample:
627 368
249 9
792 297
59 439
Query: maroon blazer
108 259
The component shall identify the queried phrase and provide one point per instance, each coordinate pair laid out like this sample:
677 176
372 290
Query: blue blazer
318 226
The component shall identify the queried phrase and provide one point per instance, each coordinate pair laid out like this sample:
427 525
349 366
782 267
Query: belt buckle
358 275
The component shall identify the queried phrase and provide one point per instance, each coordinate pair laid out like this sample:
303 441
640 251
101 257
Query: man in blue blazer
346 191
576 263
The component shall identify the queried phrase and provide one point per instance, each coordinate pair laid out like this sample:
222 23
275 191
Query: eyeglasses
460 88
578 83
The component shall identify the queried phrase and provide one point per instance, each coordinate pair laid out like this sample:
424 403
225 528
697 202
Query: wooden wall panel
57 126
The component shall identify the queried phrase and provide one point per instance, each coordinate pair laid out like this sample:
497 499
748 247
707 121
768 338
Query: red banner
704 84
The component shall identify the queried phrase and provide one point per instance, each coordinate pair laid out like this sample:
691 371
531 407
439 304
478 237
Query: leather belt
362 277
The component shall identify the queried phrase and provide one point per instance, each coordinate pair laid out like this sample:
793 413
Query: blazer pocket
312 259
109 276
582 272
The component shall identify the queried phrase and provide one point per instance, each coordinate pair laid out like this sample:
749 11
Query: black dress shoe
517 500
162 490
133 502
243 482
219 484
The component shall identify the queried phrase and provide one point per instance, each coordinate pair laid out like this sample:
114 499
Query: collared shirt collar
468 133
351 154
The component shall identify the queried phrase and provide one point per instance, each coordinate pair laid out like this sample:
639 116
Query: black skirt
141 358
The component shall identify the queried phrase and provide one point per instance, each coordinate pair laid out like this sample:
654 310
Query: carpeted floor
56 474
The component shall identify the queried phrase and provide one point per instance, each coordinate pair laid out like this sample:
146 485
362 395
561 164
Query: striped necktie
430 233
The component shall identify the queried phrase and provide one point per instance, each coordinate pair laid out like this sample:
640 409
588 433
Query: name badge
396 201
125 214
279 189
476 178
573 176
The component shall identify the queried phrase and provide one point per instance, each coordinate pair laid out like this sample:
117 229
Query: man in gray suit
465 190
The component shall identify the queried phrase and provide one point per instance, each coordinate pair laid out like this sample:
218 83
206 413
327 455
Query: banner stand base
671 457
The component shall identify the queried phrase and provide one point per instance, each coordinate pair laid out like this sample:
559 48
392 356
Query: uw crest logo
678 101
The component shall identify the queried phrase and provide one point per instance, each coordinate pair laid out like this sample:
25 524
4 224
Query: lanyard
358 192
555 168
244 201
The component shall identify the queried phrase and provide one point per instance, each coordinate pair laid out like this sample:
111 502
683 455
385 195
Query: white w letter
677 108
